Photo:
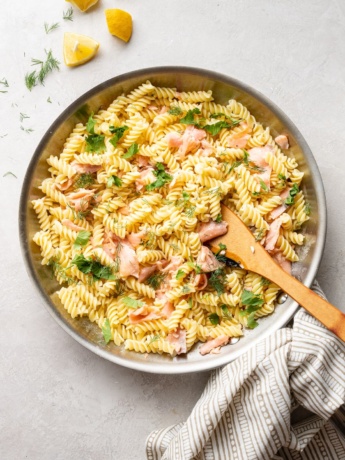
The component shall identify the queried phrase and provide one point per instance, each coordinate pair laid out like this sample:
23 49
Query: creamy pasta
134 197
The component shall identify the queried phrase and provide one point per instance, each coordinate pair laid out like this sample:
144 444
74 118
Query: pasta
133 197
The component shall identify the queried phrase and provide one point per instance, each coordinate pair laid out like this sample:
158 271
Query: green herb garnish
133 149
226 312
282 177
251 323
118 133
114 180
190 302
219 218
175 111
263 185
195 267
156 280
22 116
180 274
214 319
132 303
47 66
189 118
264 281
154 339
49 100
49 28
162 177
9 173
95 143
307 209
90 125
106 331
251 300
31 80
68 15
220 256
84 181
5 84
217 281
293 192
27 130
215 128
93 267
82 239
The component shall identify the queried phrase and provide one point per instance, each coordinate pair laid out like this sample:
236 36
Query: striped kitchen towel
247 409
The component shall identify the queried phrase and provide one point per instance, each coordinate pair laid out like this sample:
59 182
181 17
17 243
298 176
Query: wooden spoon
242 248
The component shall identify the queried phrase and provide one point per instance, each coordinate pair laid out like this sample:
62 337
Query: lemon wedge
78 49
83 5
119 23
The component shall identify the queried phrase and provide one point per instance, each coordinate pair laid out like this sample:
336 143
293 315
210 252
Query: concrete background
57 399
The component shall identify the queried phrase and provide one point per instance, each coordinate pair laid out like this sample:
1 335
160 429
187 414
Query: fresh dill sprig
27 130
9 173
68 15
31 80
49 28
4 83
217 281
47 66
22 116
156 280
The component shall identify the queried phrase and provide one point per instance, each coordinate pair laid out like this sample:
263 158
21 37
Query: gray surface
57 399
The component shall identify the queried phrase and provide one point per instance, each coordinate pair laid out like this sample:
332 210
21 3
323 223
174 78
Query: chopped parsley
219 218
93 267
95 143
162 178
90 125
132 303
84 180
195 267
214 319
114 180
156 280
175 111
180 274
215 128
245 157
251 322
106 331
133 149
282 177
263 185
293 192
82 239
189 118
190 302
118 133
307 209
226 312
253 302
217 281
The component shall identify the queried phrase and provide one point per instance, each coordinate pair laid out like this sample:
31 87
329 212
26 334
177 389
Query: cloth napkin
247 409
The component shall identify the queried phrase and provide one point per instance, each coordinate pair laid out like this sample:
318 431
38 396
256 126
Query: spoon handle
322 310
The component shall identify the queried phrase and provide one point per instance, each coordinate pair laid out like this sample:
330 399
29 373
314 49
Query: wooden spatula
242 248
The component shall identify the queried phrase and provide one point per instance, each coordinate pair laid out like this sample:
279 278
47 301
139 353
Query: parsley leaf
82 239
175 111
217 281
180 274
185 196
281 177
307 209
215 128
293 192
95 143
106 331
189 118
219 218
90 266
226 311
190 302
156 280
114 180
251 300
133 149
195 267
251 323
214 318
245 157
132 303
162 177
90 125
118 133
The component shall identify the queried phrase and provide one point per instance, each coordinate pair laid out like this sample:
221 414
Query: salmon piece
81 168
239 143
282 141
206 148
178 339
65 185
164 109
142 161
110 249
284 263
125 210
207 260
273 234
144 175
174 139
69 224
214 343
191 139
265 177
145 272
152 107
168 309
144 313
129 265
81 199
257 155
209 230
283 207
135 238
200 282
174 263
